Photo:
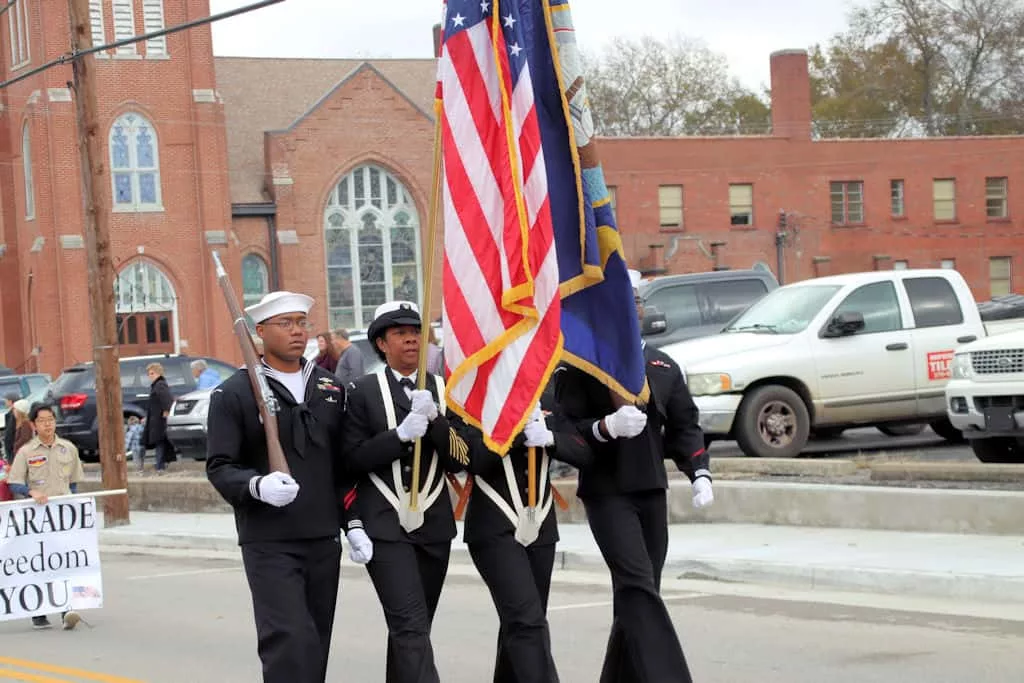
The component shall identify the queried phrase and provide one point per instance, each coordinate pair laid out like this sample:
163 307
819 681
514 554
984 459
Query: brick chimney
791 95
437 40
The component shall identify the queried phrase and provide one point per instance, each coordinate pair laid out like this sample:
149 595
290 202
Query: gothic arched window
371 229
135 164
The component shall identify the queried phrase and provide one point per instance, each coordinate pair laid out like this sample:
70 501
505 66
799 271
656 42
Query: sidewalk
968 566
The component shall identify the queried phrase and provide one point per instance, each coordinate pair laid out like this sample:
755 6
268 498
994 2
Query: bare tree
677 87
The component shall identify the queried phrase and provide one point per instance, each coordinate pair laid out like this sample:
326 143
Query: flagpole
428 279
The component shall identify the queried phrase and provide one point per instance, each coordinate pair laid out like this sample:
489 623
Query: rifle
265 399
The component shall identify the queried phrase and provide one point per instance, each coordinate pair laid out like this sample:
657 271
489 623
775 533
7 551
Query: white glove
277 489
360 547
413 427
423 403
625 423
702 495
537 433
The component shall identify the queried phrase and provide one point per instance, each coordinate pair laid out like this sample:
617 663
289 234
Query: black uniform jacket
484 520
637 464
310 435
371 447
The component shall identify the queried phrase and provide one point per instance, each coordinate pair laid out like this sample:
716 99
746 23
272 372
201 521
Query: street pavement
188 620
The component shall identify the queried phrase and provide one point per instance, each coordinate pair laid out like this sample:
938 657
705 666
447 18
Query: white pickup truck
985 398
822 355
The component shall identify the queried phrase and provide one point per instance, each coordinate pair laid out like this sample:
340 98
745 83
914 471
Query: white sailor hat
635 276
393 314
277 303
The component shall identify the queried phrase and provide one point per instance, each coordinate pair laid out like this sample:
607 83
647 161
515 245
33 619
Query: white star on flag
515 49
509 20
458 19
484 6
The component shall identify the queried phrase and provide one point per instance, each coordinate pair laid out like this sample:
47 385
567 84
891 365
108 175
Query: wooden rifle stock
265 399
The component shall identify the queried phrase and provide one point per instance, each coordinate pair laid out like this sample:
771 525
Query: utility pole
95 191
781 237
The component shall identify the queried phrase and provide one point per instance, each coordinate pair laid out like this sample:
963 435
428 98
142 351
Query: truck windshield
785 311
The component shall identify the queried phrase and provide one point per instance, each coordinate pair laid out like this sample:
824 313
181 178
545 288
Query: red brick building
315 175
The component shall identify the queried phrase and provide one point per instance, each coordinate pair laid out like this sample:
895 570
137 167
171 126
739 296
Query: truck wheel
944 428
1000 449
772 423
902 430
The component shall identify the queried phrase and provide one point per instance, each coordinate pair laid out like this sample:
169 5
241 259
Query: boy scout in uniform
46 466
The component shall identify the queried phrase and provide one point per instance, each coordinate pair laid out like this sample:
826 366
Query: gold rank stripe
68 674
458 448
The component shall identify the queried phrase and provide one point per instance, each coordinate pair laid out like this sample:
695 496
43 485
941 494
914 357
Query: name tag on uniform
36 460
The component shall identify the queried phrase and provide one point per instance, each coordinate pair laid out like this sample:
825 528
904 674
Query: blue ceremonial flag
600 326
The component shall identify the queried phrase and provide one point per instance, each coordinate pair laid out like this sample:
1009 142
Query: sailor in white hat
288 524
386 415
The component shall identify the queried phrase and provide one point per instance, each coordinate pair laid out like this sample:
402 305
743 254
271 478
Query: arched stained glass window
371 231
135 164
255 279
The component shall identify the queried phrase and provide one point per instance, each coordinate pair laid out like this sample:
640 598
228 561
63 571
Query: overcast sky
745 31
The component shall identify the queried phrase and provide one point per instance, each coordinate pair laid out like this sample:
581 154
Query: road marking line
606 603
62 670
194 572
33 678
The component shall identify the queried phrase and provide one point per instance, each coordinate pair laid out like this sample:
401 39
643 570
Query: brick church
315 174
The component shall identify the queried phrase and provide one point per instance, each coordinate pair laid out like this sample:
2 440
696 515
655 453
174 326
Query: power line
68 58
7 7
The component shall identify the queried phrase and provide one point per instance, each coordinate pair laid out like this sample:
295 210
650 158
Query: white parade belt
527 521
398 498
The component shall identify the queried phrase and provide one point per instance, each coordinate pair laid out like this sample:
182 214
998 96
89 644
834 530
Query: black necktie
407 383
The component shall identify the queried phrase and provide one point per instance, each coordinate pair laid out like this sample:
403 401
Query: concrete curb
950 471
736 502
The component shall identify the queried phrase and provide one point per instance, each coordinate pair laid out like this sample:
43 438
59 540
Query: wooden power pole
102 314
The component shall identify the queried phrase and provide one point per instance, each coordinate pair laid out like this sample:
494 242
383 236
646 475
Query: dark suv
701 304
74 393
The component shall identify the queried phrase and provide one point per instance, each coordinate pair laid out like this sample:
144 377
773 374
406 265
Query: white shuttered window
124 24
153 20
96 21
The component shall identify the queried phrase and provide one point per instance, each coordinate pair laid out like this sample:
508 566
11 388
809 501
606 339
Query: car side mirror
845 324
654 322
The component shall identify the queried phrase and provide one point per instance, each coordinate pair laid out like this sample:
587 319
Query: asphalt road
872 443
188 620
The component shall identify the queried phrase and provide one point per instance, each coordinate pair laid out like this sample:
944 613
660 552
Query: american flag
501 287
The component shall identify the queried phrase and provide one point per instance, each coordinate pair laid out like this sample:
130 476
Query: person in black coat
9 426
386 415
160 401
624 493
513 550
288 524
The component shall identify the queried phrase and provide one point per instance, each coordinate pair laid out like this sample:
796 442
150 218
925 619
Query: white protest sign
49 557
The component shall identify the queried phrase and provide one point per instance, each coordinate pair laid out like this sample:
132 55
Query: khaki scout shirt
47 469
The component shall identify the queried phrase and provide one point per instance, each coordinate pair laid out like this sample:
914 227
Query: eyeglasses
638 301
289 325
45 420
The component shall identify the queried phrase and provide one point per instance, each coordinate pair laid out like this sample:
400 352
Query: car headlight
202 408
962 366
708 384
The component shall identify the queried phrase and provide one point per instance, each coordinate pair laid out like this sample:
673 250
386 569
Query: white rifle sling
401 505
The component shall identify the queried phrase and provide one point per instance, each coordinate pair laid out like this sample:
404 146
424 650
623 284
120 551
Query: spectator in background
9 426
351 364
23 431
205 376
435 358
133 430
160 401
47 466
328 356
